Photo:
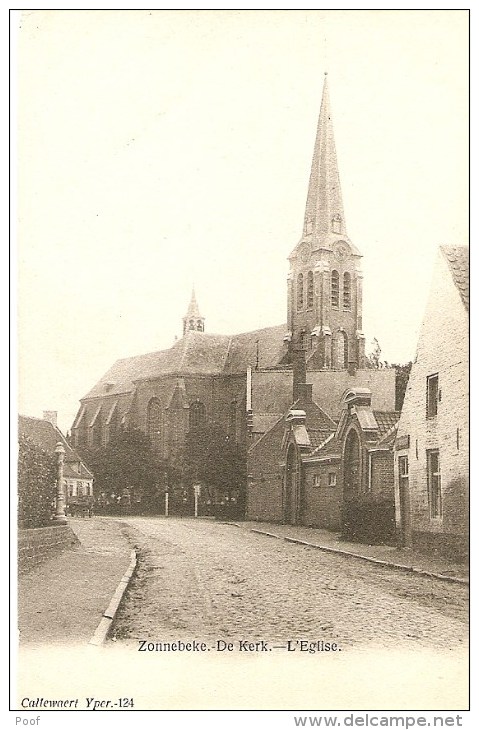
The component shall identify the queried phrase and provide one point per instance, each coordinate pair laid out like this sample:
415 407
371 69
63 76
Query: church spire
193 321
324 213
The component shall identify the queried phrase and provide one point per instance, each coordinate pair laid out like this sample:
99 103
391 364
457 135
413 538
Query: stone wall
37 544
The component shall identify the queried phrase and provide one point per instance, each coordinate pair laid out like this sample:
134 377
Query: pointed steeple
193 321
324 213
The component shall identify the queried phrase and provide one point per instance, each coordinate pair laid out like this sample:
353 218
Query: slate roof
386 420
457 258
196 353
45 435
389 437
329 448
318 437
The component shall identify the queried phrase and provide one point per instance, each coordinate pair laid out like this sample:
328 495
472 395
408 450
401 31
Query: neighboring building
244 383
309 470
432 444
45 433
275 490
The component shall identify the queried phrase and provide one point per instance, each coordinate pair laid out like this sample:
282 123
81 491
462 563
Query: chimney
51 417
299 367
305 392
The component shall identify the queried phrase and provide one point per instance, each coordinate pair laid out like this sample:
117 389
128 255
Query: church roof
457 258
195 353
262 348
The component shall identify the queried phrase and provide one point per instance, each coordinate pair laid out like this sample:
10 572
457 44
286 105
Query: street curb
107 619
374 561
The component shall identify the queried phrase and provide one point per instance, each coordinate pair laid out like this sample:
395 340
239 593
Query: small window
336 223
403 467
80 489
300 293
347 291
332 479
316 480
434 483
334 290
310 290
432 395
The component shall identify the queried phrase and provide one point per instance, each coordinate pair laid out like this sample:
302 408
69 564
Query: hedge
37 472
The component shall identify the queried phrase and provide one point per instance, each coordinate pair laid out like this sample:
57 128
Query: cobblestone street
206 580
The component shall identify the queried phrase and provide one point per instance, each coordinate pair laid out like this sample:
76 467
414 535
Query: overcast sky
162 148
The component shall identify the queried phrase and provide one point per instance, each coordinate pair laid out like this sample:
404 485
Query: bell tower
193 321
325 280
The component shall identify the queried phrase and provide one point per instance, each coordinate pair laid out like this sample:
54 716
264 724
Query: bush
369 520
37 473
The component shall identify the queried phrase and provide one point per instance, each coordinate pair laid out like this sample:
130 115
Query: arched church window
347 291
154 422
310 290
197 414
192 324
337 223
300 294
200 327
341 350
334 289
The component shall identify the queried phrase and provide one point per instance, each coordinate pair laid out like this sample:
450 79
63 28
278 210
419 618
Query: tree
127 465
214 459
402 378
373 358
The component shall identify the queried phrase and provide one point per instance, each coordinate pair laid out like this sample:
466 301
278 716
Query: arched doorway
289 512
352 465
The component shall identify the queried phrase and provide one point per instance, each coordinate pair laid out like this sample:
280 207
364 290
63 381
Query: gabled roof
45 435
262 348
457 258
196 353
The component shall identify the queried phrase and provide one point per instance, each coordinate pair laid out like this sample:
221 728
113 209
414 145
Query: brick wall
264 500
273 390
37 544
321 504
382 473
443 349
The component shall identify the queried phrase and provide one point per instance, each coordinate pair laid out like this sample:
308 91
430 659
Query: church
260 386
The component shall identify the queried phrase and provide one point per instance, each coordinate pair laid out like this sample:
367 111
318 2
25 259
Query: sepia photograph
241 425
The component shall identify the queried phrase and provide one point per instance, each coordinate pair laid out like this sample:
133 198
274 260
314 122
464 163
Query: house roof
386 420
318 438
330 447
457 258
45 435
196 352
388 439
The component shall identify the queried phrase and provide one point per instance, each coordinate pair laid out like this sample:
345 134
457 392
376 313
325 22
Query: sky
161 149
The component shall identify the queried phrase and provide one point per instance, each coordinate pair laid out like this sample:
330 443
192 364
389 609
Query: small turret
193 321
